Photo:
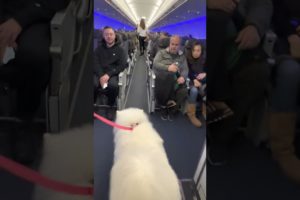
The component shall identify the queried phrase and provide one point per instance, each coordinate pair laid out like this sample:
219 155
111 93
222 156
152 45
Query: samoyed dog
67 157
141 170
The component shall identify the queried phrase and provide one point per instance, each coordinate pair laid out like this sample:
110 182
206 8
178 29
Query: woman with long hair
197 75
142 33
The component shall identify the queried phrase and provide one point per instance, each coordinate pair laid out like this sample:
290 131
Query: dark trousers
249 83
164 89
142 43
30 71
111 91
286 90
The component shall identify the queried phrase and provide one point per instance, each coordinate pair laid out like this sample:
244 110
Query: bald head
174 44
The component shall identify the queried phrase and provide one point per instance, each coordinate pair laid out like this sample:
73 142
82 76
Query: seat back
69 28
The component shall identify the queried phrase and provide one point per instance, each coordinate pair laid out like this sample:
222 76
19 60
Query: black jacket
109 61
27 12
196 66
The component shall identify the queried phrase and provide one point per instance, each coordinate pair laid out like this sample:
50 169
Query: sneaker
217 111
164 114
171 103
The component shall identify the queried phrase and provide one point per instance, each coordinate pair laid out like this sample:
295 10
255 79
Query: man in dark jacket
25 27
109 61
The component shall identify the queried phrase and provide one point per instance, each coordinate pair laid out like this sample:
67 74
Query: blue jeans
193 95
287 87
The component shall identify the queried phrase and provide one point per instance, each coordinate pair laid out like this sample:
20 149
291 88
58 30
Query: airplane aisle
138 86
183 142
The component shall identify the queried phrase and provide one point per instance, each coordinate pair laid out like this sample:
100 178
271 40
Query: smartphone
8 55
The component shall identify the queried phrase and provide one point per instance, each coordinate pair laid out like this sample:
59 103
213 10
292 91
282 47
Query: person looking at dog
109 61
197 75
171 71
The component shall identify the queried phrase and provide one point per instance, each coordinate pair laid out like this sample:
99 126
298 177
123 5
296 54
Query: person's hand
201 76
248 38
9 31
224 5
197 83
180 80
173 68
103 79
294 41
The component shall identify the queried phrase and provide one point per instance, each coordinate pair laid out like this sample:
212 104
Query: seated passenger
161 42
25 26
196 75
237 71
171 71
286 91
109 61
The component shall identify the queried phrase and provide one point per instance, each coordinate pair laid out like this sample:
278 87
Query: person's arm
39 11
115 69
157 62
259 14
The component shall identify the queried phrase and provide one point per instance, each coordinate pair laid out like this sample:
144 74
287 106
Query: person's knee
288 71
194 91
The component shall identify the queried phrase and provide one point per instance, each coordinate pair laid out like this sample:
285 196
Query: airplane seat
160 44
69 59
131 44
65 45
101 99
97 37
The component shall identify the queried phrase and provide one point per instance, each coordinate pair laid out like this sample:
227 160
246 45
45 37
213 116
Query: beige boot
191 113
282 134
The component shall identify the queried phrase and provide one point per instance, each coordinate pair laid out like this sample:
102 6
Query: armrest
63 30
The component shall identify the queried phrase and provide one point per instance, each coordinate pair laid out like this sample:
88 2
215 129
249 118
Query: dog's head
131 117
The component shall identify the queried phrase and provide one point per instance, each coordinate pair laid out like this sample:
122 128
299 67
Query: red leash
34 177
110 123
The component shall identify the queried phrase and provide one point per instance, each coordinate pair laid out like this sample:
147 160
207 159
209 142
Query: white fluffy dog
141 169
67 157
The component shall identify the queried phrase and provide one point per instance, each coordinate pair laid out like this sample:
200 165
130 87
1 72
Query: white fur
141 169
67 157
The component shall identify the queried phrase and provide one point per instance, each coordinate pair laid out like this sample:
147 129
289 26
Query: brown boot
191 113
282 135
